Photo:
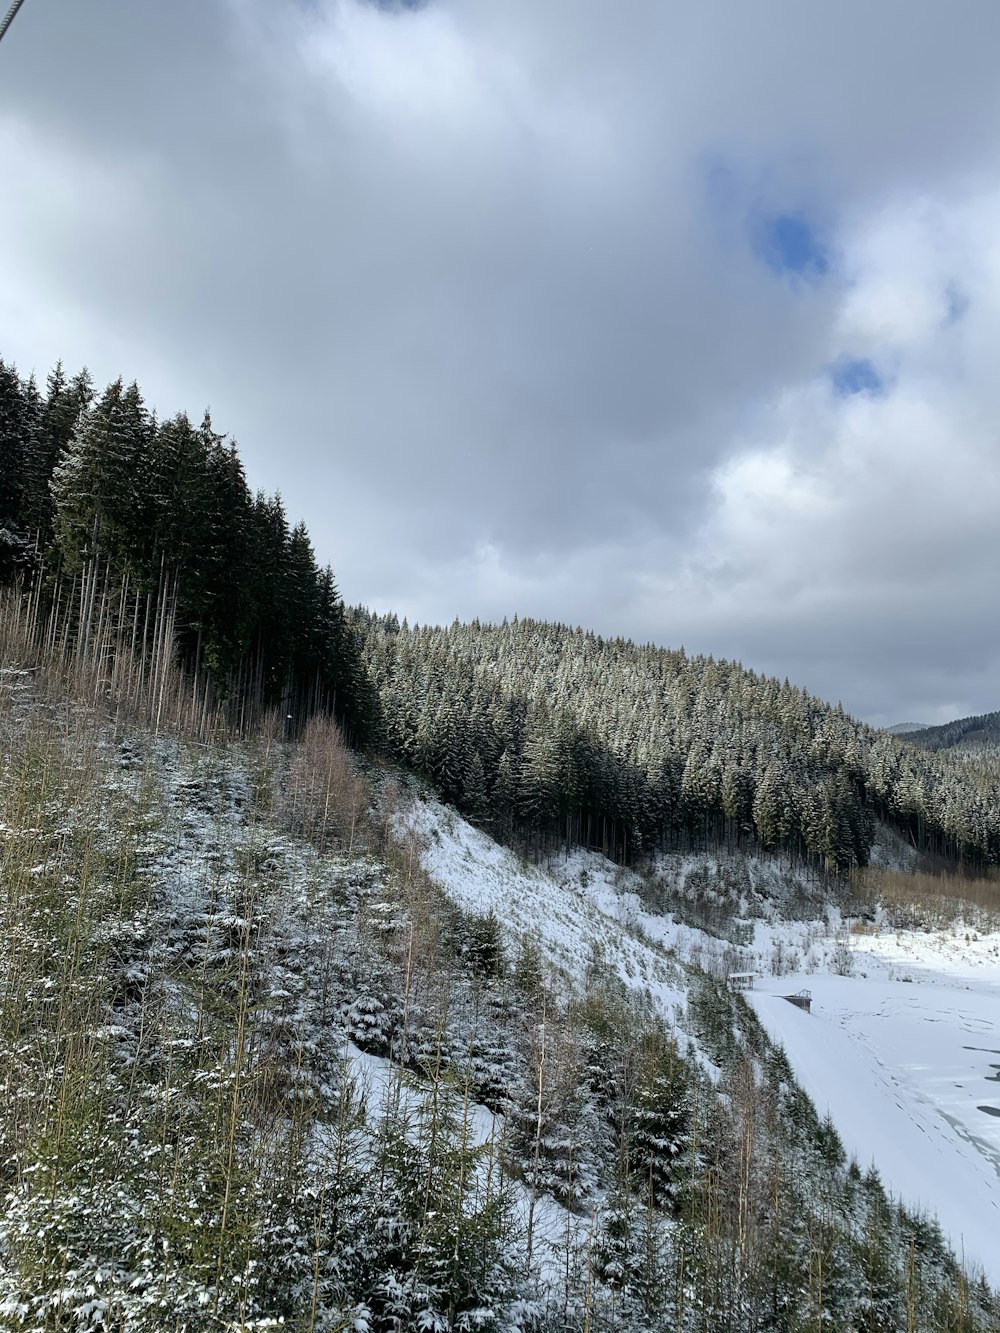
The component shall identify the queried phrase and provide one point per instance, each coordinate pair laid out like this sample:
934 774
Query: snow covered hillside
278 1050
572 915
902 1045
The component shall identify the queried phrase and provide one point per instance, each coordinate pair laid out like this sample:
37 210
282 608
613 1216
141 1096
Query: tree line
137 539
109 517
543 731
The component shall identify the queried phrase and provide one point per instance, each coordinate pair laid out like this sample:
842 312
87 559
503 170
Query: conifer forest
263 1066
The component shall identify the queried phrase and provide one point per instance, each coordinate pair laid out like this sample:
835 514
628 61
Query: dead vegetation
927 901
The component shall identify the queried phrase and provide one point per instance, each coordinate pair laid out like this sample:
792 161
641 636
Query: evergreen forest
259 1069
977 733
551 732
126 534
129 534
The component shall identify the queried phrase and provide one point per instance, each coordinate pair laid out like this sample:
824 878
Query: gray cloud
476 286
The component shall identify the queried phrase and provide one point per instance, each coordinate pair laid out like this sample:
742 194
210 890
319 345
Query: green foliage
444 1214
150 530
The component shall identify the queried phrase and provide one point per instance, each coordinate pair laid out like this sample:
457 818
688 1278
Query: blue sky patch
856 374
790 243
958 303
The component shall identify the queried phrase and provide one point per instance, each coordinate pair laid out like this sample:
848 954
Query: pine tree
98 484
18 412
60 415
15 428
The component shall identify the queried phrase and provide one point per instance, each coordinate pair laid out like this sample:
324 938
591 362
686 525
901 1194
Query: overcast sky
675 320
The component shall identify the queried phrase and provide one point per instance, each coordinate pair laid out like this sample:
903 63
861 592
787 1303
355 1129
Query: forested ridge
134 540
979 732
542 728
130 531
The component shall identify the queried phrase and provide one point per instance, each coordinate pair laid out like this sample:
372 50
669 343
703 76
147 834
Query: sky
678 321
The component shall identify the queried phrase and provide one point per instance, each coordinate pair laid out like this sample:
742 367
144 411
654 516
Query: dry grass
863 928
927 900
109 668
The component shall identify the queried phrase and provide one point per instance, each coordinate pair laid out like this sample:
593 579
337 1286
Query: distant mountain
965 733
906 728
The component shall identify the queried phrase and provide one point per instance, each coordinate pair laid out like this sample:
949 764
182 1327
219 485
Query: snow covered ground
902 1046
910 1074
554 1229
574 927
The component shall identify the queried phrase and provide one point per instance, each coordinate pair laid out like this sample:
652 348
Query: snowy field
902 1045
910 1074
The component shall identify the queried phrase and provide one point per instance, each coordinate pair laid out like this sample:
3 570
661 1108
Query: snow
957 956
379 1081
574 927
902 1046
903 1070
891 851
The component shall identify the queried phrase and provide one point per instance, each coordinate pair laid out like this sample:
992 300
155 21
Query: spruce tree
15 429
65 403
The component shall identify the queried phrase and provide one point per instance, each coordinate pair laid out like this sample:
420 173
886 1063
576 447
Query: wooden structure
802 1000
740 981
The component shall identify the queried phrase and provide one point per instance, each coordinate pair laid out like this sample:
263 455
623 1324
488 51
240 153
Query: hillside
559 734
286 1040
893 1011
969 734
285 1043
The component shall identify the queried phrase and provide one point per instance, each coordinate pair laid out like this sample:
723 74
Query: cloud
861 526
670 320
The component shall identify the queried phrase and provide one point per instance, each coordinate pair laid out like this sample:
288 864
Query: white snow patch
380 1082
904 1070
573 925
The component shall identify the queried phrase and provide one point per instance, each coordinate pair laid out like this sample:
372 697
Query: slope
558 735
259 1068
904 1055
967 733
